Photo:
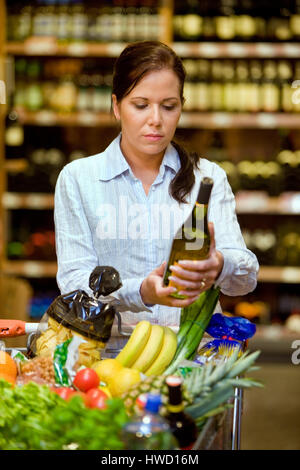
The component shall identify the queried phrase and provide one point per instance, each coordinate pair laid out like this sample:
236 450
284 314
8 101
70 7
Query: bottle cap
174 384
174 380
141 401
153 402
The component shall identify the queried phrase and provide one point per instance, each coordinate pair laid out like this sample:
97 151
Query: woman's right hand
153 291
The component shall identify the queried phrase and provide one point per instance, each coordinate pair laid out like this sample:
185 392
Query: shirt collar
171 158
114 163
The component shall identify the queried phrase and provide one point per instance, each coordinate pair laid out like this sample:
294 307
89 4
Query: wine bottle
270 89
192 239
216 86
295 21
148 430
190 86
191 27
242 88
14 136
230 96
245 21
225 21
285 77
255 76
202 85
182 425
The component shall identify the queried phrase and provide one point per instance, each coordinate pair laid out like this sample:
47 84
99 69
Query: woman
123 206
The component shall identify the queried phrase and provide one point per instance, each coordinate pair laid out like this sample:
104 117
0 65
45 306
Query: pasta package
89 349
228 333
78 315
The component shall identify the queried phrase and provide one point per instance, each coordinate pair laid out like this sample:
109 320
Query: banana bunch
150 348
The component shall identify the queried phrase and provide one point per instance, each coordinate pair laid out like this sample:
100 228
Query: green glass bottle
192 239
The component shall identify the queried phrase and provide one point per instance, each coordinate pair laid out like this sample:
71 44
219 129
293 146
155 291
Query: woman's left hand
196 276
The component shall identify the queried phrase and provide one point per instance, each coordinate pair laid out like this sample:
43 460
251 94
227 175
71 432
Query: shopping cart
221 432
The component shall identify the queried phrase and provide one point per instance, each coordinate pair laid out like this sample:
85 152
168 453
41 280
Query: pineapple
152 384
206 389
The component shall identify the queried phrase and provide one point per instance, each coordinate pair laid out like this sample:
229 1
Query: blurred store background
242 111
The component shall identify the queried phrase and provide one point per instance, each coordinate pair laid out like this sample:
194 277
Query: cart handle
12 328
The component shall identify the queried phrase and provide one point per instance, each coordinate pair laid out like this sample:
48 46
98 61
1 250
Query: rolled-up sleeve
239 274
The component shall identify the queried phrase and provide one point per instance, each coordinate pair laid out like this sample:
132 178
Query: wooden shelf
210 50
275 342
30 269
51 47
33 201
52 118
261 50
278 274
207 120
223 120
16 165
258 202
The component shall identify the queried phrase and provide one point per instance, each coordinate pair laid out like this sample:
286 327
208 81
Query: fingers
193 284
194 271
190 285
180 303
164 295
160 270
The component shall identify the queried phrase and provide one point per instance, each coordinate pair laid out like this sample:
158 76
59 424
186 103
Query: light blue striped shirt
104 217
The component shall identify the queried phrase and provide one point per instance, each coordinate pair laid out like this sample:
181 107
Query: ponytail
184 180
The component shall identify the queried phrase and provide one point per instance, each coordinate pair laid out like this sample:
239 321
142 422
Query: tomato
64 392
96 398
85 379
67 393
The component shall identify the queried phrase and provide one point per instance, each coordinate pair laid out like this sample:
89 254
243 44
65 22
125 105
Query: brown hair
136 60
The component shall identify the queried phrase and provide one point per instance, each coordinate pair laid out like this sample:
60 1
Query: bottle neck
175 404
205 191
174 409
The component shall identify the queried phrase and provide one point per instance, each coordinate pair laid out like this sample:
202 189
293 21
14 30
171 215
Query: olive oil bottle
192 240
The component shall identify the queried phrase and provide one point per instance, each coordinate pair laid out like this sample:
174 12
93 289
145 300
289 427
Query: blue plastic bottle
149 431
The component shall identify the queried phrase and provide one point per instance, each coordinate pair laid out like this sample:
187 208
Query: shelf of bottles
77 27
236 20
242 64
218 93
82 27
276 246
279 274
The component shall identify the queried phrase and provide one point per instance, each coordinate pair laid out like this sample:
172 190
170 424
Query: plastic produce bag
78 314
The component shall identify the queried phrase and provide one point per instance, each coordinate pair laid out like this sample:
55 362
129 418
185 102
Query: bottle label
295 25
193 230
14 136
175 408
192 25
225 27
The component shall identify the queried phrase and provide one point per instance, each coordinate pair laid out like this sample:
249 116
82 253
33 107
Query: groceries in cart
62 393
71 334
